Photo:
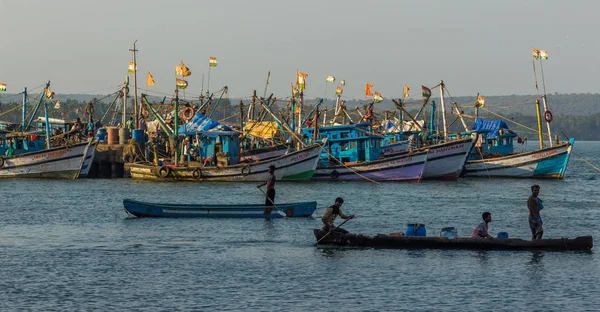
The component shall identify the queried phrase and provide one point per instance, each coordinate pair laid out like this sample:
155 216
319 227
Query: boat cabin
347 143
16 143
493 138
221 146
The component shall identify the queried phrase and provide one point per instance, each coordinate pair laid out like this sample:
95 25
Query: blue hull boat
158 210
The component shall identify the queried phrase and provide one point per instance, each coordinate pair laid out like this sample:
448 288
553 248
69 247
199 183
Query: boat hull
157 210
263 154
414 242
446 161
404 167
55 163
297 166
548 163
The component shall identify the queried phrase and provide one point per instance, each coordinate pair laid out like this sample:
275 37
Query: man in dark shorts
534 204
270 183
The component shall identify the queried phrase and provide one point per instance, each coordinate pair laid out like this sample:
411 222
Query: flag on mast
377 97
49 94
212 61
301 80
339 91
57 105
480 101
330 79
184 70
536 53
149 79
132 68
295 91
343 82
181 84
543 54
2 87
406 89
368 87
426 92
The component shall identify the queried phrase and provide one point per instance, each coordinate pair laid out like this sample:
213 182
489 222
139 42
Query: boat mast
176 127
544 102
24 116
46 116
125 92
135 106
443 110
539 122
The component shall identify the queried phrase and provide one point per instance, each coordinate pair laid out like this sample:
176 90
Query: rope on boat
353 171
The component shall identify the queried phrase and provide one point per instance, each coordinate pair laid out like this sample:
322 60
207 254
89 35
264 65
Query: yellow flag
184 70
149 80
49 94
178 70
406 89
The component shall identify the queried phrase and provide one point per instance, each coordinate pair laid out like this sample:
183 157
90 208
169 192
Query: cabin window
352 144
335 136
344 135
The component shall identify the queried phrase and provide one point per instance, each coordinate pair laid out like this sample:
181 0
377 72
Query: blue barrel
502 235
416 229
138 135
101 135
449 232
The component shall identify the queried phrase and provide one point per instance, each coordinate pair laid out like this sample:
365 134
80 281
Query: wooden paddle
333 230
277 208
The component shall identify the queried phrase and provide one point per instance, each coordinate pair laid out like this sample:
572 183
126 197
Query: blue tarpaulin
493 126
201 123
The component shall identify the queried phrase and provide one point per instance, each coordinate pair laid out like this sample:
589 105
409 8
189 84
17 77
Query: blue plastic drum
416 229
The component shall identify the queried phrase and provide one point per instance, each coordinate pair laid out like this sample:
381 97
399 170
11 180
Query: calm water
69 245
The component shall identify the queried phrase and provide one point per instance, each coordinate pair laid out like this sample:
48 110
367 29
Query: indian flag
426 92
181 84
480 101
339 91
343 82
212 61
49 94
536 53
295 91
377 97
132 68
543 54
301 80
330 79
2 87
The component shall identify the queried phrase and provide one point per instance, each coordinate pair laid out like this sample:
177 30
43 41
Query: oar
332 230
279 211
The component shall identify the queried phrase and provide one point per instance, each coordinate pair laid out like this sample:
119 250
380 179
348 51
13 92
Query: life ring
197 173
335 174
246 170
520 141
128 158
89 109
1 162
188 113
164 171
548 116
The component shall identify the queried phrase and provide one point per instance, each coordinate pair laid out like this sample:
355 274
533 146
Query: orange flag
368 89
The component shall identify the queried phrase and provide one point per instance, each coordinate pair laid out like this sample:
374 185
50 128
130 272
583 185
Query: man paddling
270 183
481 231
534 204
331 213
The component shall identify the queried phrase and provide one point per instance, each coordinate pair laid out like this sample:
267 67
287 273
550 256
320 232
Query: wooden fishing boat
405 167
62 162
419 242
158 210
296 166
497 158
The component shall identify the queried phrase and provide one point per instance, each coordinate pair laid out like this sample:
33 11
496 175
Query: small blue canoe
157 210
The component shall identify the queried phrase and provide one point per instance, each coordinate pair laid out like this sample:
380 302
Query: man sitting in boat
331 213
481 231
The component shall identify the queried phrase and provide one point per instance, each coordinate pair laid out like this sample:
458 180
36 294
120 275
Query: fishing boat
497 158
396 241
62 162
352 153
161 210
296 166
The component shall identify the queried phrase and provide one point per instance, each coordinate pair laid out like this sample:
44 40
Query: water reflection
536 257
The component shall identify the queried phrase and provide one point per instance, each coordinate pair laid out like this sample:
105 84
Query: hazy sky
474 46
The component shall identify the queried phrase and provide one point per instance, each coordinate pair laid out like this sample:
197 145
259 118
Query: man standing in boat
331 213
270 183
534 204
481 231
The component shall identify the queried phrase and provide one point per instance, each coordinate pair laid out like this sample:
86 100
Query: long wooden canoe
414 242
163 210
